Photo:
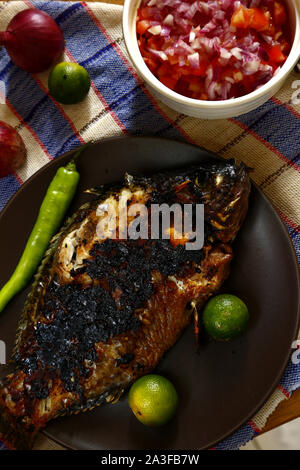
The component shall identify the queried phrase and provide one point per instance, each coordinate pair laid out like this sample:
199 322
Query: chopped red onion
209 27
169 20
194 60
162 55
155 29
237 53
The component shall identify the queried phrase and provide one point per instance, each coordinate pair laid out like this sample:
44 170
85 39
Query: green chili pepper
52 211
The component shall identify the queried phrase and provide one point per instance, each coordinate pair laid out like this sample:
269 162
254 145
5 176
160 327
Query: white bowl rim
147 75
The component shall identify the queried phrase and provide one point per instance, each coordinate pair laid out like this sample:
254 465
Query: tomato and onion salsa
213 49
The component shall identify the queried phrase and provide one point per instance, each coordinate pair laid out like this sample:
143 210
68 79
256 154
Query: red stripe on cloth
36 138
101 98
18 178
288 221
254 426
263 141
284 391
133 72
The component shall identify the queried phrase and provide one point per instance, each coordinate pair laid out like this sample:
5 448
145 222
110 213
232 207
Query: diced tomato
241 17
249 82
285 46
184 70
145 13
259 20
270 31
155 42
142 26
170 82
276 55
279 15
238 76
173 59
195 72
164 69
250 18
166 45
196 87
151 63
201 71
192 79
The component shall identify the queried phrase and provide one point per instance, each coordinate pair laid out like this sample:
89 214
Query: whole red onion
33 40
12 150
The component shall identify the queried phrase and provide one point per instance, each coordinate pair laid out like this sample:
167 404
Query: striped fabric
267 139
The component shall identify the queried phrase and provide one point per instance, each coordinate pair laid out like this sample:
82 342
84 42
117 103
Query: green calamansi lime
225 317
69 83
153 399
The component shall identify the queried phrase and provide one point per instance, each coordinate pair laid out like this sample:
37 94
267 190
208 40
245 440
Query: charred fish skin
101 313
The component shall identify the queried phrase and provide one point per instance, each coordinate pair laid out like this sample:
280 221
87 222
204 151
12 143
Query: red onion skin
12 150
33 40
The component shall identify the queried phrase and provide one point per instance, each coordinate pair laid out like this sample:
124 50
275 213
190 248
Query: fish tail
13 434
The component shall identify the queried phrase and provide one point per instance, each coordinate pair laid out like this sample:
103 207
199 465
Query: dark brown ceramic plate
224 385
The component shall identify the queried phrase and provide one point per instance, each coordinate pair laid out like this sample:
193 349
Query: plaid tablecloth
267 139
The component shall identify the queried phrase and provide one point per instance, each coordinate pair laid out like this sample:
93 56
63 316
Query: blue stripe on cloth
8 186
4 59
278 126
110 75
238 439
295 236
291 377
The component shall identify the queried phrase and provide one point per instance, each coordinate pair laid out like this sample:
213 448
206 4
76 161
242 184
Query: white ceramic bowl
210 109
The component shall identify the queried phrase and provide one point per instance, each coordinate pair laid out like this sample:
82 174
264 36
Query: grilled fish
103 310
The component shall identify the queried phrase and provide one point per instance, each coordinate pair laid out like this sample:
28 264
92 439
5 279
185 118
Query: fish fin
129 179
97 191
36 290
14 433
31 304
15 436
104 190
6 369
114 397
106 397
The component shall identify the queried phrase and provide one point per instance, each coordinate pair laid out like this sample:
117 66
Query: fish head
224 191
